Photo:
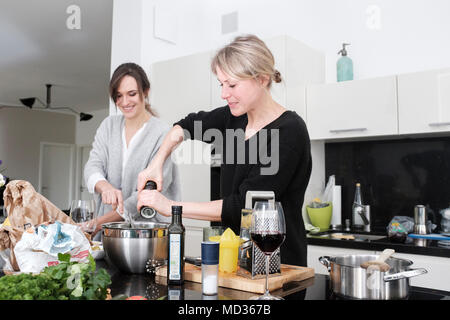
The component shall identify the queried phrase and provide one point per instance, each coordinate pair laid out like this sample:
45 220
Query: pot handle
405 274
325 260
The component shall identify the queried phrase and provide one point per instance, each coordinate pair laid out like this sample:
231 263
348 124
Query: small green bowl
320 217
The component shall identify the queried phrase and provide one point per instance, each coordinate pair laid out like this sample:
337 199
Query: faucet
364 212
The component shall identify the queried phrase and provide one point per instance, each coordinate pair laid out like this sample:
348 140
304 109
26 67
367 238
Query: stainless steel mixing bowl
131 248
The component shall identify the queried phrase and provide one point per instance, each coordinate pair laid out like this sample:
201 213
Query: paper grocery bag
26 208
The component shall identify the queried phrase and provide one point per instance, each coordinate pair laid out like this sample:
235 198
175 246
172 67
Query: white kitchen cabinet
349 109
178 87
315 252
424 101
299 66
438 276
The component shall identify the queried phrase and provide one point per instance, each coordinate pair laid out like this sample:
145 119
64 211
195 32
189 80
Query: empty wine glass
83 213
268 231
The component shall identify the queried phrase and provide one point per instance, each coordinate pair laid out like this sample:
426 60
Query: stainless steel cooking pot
131 249
349 280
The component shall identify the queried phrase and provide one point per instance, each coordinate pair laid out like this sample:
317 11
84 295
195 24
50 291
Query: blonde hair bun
277 76
246 57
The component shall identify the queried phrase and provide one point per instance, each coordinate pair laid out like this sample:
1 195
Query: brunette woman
124 145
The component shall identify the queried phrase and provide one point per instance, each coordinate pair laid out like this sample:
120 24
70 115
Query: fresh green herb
67 280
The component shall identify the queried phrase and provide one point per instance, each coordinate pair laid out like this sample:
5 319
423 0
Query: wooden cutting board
233 281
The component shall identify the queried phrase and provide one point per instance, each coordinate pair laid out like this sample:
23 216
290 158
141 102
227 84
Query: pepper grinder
145 211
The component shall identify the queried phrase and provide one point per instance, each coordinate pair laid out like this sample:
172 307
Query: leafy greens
64 281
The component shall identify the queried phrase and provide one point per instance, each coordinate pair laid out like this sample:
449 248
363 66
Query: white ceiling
36 47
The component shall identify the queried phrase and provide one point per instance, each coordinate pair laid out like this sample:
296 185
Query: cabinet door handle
348 130
439 124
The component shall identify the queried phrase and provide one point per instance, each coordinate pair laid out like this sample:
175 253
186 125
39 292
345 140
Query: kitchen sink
347 236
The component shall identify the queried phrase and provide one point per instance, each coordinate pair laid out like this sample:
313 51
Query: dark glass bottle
175 264
145 211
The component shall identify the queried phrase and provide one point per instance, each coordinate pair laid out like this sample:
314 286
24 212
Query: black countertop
411 246
154 288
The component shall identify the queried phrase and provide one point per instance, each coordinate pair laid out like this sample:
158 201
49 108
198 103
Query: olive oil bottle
175 264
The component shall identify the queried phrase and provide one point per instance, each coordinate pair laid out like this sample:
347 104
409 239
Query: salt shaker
210 267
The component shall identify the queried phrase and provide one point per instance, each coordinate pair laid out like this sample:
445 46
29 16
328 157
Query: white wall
21 132
127 38
85 130
387 37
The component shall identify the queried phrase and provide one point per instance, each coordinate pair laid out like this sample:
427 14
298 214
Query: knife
194 260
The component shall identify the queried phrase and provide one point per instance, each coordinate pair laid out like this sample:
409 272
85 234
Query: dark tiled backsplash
395 175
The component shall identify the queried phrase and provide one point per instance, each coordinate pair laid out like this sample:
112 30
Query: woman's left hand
155 199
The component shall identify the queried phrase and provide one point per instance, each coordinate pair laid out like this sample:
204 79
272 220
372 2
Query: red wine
268 242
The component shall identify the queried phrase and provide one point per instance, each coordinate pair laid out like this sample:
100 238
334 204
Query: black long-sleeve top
238 175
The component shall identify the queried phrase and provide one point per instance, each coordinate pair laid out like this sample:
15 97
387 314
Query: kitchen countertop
154 288
412 246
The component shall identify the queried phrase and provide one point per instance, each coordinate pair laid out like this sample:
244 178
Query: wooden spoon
379 263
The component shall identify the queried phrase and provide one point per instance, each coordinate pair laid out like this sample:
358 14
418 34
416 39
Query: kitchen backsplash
395 175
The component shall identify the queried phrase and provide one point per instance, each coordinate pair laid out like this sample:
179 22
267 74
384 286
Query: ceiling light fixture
29 103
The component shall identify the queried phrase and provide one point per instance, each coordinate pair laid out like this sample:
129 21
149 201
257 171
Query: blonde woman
245 71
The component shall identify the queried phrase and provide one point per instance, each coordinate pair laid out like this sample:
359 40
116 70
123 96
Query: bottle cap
343 51
177 209
150 185
210 252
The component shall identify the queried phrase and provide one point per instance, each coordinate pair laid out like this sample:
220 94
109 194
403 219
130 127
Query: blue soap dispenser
344 65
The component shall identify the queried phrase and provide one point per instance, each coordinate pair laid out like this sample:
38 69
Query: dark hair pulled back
133 70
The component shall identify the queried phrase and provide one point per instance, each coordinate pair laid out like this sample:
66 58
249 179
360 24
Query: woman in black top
263 146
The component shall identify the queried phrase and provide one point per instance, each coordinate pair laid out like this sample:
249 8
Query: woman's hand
155 199
110 195
98 228
111 216
153 172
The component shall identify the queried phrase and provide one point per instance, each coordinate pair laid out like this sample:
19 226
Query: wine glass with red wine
268 231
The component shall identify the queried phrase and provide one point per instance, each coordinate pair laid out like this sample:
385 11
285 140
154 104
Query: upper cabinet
352 109
178 87
181 86
413 103
424 102
299 66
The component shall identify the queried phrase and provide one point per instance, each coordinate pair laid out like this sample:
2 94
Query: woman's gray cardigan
106 158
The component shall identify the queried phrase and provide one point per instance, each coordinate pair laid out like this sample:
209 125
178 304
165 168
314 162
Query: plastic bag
327 195
26 209
399 227
39 247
